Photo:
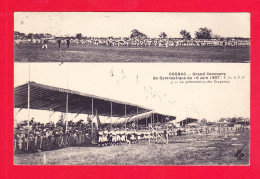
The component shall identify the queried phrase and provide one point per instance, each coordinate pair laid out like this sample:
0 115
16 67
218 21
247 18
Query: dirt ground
84 53
197 149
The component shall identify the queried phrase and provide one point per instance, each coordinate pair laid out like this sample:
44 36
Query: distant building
186 121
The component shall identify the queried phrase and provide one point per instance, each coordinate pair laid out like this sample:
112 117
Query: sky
120 24
134 83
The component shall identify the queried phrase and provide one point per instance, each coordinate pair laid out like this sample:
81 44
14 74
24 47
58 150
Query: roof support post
92 140
67 98
92 113
125 117
28 105
111 104
28 100
153 119
92 106
67 109
146 120
137 119
15 120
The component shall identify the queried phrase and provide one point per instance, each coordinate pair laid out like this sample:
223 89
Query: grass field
83 53
216 149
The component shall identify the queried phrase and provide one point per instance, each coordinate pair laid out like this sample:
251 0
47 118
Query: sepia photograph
132 114
131 37
101 99
130 89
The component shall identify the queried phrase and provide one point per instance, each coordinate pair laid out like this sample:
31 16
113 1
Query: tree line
201 33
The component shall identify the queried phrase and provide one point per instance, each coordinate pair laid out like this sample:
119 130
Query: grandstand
131 131
130 126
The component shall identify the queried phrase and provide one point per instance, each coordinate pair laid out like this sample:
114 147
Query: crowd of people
42 137
162 42
137 42
38 136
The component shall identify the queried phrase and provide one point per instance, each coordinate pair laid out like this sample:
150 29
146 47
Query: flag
89 120
96 120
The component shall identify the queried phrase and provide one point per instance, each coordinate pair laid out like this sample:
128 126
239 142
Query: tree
137 34
185 34
18 35
203 122
203 33
39 36
163 35
222 119
216 36
233 120
79 36
30 36
47 35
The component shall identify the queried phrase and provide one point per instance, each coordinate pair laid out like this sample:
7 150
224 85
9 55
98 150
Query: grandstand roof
157 118
44 97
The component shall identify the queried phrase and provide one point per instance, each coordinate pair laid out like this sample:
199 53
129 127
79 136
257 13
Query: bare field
84 53
215 149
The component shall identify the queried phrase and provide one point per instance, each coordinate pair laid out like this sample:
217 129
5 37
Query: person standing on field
59 43
68 43
45 42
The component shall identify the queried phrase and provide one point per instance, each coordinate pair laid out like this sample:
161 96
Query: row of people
146 42
56 139
118 137
38 138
